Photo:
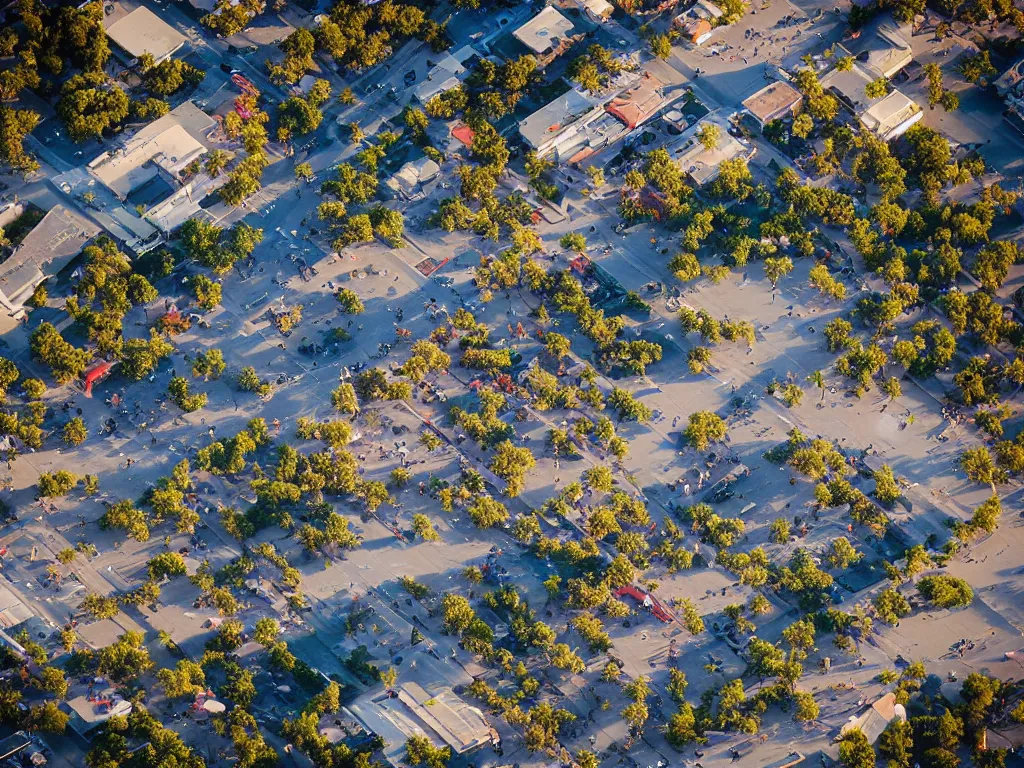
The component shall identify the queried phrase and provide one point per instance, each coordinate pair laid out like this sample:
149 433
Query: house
888 116
576 125
653 7
876 718
1010 87
638 103
12 610
142 31
598 10
560 123
410 180
885 52
410 710
773 102
442 77
702 164
44 252
547 34
88 712
698 21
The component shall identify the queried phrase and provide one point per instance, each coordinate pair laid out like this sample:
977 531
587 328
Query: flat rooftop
442 717
538 33
551 118
701 163
142 31
167 144
772 100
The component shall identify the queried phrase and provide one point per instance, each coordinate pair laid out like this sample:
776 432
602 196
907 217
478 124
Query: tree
574 241
896 744
976 69
48 717
52 680
511 464
56 484
421 751
855 751
99 607
422 527
65 361
627 407
704 428
169 76
15 125
802 126
681 729
977 463
842 554
186 679
986 515
661 46
457 613
206 291
349 301
709 134
166 564
876 89
775 268
89 105
806 708
209 364
75 432
945 591
887 490
487 512
891 606
216 161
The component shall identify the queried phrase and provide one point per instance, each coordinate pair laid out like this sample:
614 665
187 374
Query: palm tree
818 380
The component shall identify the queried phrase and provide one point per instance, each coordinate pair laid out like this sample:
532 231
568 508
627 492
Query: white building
888 117
560 123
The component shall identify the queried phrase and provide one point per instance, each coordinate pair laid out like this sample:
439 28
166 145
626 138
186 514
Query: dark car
410 77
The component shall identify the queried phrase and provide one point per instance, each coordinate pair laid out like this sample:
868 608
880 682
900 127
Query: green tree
709 135
75 431
945 591
776 268
704 427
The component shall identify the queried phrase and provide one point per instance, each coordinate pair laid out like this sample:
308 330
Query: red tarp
96 374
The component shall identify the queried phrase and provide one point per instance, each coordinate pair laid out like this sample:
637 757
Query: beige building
142 31
544 31
773 102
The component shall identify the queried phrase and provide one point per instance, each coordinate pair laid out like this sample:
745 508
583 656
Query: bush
946 591
56 484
